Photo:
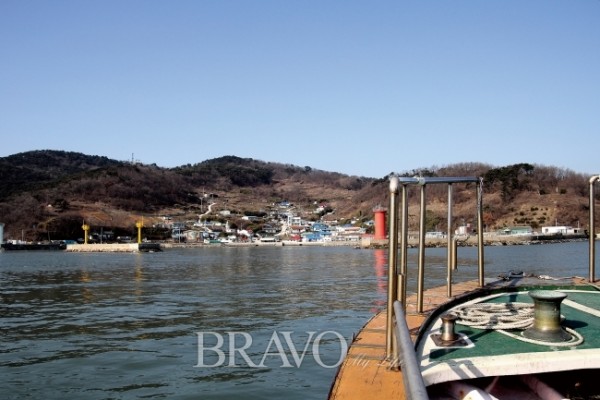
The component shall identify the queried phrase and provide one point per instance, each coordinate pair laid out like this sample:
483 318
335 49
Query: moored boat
34 246
512 337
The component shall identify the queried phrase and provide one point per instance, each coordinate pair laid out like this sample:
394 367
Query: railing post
402 277
592 229
422 228
454 254
449 243
480 255
392 267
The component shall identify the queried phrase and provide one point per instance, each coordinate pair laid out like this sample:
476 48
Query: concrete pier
114 248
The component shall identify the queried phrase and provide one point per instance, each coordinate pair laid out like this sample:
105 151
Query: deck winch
546 320
538 323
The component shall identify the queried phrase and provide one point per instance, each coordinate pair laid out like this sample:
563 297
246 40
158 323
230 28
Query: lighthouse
379 222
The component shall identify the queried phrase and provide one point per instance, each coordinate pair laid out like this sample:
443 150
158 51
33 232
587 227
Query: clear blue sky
358 87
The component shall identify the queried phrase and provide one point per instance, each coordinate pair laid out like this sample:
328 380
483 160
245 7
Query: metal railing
592 229
401 352
398 276
414 386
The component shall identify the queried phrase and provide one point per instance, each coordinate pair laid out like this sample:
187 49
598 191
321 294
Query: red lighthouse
379 222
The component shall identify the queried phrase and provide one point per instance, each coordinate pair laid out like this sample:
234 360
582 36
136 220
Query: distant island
47 195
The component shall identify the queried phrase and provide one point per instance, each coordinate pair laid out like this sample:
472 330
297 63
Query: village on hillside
281 223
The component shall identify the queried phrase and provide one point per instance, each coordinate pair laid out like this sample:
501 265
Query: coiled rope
496 315
507 316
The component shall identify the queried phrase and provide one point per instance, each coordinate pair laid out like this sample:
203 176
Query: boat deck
453 360
365 373
504 352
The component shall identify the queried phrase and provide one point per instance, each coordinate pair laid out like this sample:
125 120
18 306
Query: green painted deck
495 353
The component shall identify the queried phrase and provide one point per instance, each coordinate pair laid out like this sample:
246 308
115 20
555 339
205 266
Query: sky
359 87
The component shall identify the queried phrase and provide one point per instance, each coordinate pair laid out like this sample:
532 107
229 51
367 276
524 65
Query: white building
561 230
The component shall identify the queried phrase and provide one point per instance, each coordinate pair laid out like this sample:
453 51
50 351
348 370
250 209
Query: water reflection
381 266
138 277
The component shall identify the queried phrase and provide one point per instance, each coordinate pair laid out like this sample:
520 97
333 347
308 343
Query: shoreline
282 243
370 243
365 243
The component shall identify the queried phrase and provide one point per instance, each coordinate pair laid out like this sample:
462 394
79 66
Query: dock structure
114 248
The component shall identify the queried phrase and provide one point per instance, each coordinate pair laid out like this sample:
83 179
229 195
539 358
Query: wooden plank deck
365 373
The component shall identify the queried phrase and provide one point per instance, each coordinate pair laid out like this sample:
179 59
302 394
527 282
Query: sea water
163 325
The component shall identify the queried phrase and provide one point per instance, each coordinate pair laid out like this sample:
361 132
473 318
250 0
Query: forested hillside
50 193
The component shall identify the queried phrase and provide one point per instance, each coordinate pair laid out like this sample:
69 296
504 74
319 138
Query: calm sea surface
128 326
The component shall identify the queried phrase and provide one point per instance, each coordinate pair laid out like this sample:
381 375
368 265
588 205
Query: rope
507 316
520 274
576 339
496 315
552 278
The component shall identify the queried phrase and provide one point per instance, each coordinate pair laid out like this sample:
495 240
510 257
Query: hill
51 193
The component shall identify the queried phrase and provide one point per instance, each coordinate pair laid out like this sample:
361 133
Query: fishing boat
516 336
14 245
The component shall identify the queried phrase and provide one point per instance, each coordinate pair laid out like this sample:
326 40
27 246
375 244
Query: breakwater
114 248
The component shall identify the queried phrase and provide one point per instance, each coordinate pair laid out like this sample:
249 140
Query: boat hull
34 246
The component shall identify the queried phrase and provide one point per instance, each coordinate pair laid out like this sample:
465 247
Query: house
311 237
268 228
319 227
464 230
435 235
561 230
517 230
